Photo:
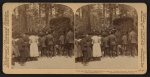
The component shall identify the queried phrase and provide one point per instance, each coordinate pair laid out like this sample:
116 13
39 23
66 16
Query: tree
46 13
86 17
22 18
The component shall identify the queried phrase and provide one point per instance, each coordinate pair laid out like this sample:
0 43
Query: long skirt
34 50
24 52
78 51
89 51
97 50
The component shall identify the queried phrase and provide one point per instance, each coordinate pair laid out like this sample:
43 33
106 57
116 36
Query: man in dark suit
105 44
42 41
70 42
113 43
61 43
50 44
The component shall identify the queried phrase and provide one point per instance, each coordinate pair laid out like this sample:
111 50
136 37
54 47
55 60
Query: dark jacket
50 39
105 41
112 39
42 41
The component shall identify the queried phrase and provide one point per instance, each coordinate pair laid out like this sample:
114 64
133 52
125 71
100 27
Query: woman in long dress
22 51
96 40
77 50
34 53
15 51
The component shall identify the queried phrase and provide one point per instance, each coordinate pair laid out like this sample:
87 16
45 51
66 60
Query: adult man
124 44
133 42
118 34
105 43
62 42
50 44
42 41
112 41
70 42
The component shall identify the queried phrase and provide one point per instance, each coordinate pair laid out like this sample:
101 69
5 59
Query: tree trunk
46 14
89 22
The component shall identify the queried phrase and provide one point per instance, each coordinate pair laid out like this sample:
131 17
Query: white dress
33 46
96 41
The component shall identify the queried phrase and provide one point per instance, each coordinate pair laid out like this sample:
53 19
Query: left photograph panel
42 36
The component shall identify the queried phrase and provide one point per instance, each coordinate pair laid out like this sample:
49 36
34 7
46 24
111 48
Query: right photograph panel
106 36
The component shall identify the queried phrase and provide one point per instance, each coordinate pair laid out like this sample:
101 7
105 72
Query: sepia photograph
42 34
74 38
106 34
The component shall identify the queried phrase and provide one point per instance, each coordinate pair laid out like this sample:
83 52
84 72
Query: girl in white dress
34 53
96 41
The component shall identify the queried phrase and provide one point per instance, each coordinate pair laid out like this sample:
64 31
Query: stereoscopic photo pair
75 38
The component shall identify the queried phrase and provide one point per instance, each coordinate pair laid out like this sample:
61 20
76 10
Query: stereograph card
74 38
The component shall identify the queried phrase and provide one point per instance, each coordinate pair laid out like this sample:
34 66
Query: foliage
41 17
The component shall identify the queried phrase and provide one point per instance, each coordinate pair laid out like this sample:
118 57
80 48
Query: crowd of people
87 47
29 47
91 47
